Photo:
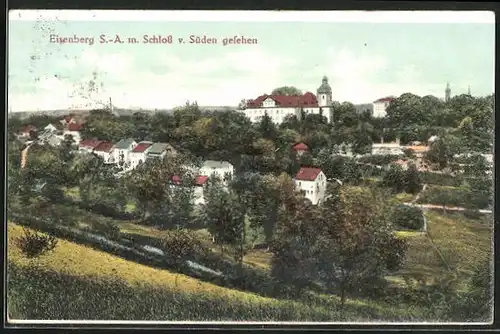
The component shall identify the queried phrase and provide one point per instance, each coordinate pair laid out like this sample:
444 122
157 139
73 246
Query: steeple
324 93
468 91
447 92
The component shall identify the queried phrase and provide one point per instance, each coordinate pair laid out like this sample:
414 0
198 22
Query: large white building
278 107
222 169
312 182
380 106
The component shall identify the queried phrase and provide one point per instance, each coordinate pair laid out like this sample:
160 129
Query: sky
365 57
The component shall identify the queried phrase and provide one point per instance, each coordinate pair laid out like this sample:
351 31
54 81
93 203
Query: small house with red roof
200 182
139 153
88 145
74 130
380 106
312 182
26 131
279 107
104 149
300 148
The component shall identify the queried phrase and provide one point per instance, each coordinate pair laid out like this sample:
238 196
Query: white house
50 128
312 182
73 129
104 150
121 151
139 154
222 169
199 189
380 106
88 145
160 150
278 107
387 148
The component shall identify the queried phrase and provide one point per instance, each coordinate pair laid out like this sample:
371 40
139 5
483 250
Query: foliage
408 217
394 178
286 90
344 243
412 180
440 179
378 159
108 229
181 245
35 244
459 197
443 150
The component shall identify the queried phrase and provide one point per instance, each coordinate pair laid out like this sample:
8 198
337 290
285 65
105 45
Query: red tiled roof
141 147
28 128
200 180
74 127
306 100
384 99
104 146
308 174
300 147
92 143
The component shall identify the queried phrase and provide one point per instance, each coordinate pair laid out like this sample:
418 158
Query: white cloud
135 85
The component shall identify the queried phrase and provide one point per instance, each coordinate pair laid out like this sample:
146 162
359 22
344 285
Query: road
447 208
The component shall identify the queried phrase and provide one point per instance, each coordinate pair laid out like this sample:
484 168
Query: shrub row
378 159
440 179
460 197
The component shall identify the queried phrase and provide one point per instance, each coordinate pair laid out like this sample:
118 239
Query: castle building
279 107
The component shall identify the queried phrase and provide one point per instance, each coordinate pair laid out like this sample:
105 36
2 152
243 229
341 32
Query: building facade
312 182
279 107
221 169
380 106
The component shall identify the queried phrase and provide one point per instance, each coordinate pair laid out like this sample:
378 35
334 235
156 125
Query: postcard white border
480 17
257 16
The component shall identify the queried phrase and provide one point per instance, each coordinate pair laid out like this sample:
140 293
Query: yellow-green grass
461 242
404 197
73 259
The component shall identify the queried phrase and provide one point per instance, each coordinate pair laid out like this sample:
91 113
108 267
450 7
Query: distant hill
119 111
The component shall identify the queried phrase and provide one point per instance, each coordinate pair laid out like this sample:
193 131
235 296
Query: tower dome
325 87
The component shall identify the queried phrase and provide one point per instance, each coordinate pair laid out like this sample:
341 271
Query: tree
412 180
394 178
344 243
355 240
286 90
443 150
267 128
224 216
151 184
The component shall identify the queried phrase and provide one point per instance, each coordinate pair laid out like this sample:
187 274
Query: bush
461 197
108 229
181 245
378 159
408 217
34 244
473 214
440 179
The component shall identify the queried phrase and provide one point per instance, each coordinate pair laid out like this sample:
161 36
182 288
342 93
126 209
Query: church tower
447 92
324 93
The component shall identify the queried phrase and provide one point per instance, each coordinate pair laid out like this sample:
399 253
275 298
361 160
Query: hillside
97 285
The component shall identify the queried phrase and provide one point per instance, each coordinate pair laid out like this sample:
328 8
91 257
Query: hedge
408 217
440 179
460 197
